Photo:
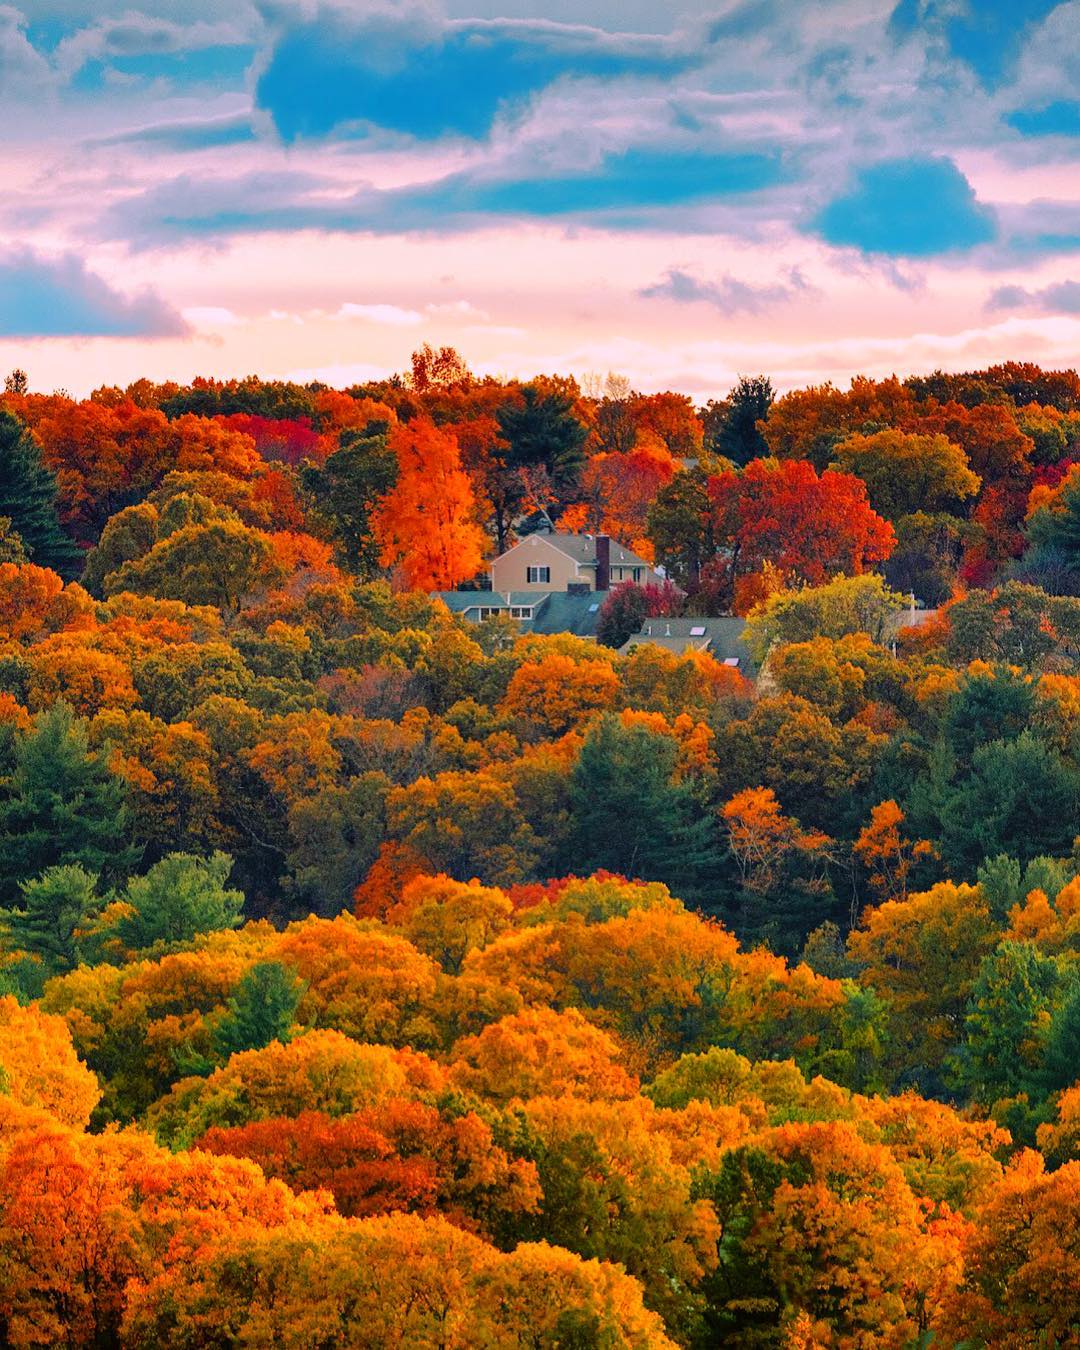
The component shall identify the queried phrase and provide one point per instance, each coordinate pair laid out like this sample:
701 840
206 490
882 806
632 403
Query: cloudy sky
679 192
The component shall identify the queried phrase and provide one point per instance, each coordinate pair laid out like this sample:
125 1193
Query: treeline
330 1014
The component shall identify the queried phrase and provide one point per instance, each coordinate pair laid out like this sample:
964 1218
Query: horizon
311 191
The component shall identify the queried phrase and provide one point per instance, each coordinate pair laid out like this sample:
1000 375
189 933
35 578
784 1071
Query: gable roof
581 549
552 611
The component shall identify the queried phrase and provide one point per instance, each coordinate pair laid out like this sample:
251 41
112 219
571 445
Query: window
537 574
593 609
697 631
731 660
637 573
521 611
487 612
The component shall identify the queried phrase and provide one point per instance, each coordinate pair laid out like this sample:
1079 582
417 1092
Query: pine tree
542 429
54 911
1063 1043
179 897
737 436
630 815
28 499
60 804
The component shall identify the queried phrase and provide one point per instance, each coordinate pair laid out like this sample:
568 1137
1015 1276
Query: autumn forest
376 972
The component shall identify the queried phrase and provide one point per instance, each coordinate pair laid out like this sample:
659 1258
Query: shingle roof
582 549
564 613
459 602
721 637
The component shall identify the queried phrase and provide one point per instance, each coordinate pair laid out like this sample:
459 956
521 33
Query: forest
374 978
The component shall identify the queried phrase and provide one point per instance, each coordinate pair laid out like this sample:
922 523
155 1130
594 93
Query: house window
521 611
697 631
487 612
637 573
537 574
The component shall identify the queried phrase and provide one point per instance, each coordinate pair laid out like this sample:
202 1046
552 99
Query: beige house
567 562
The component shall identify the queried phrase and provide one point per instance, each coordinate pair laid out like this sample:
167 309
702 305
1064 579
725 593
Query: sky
680 193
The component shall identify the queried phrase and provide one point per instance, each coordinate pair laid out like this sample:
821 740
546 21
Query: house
535 611
568 563
720 637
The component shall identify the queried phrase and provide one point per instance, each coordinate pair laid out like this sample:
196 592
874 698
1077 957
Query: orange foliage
39 1066
886 854
426 522
558 694
540 1052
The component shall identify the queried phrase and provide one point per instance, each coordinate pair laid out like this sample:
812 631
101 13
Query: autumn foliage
372 976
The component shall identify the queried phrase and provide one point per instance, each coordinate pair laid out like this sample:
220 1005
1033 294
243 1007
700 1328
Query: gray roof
459 602
721 637
564 613
582 548
553 611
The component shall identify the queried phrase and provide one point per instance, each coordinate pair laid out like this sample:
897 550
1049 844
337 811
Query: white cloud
211 316
458 309
392 316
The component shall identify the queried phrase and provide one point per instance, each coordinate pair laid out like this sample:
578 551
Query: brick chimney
603 562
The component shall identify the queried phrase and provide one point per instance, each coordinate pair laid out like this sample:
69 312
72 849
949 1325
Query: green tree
335 838
993 707
128 535
347 487
60 804
680 526
1012 1001
1015 623
53 915
926 559
262 1009
180 896
629 814
737 436
541 430
213 564
905 473
1059 528
847 605
1020 798
1062 1061
28 499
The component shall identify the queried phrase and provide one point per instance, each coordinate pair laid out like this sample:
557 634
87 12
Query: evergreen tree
53 915
1017 990
630 816
1062 1062
262 1009
542 430
178 898
60 804
737 436
1020 798
28 499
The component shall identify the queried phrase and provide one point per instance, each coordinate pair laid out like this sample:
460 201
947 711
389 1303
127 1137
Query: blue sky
683 192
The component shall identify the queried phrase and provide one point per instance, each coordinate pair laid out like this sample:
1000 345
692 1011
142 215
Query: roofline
637 561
